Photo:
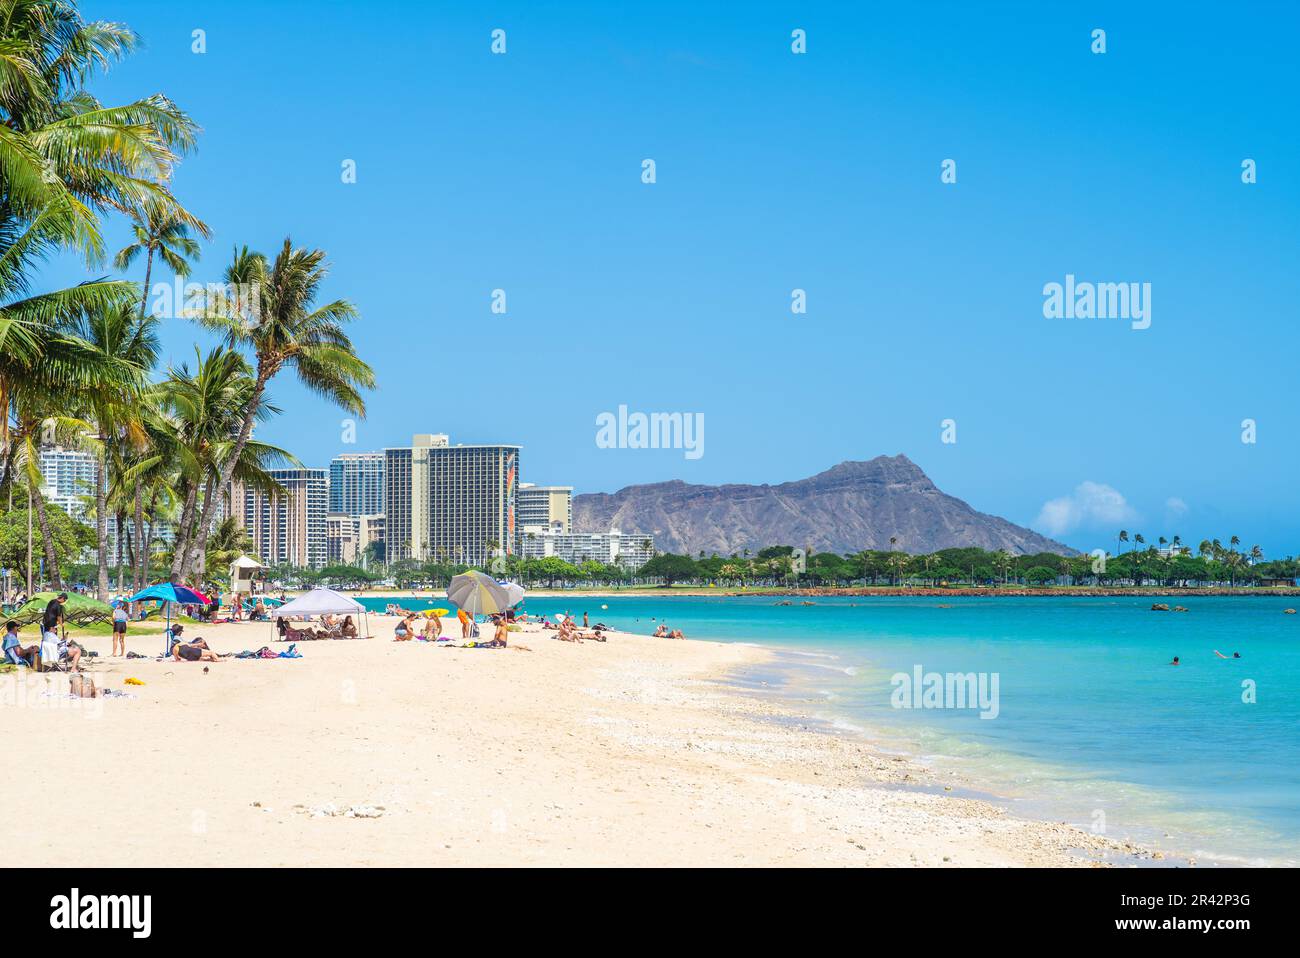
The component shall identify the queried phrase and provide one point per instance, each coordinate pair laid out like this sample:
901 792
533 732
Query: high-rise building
347 537
69 476
545 507
289 526
450 503
627 549
357 483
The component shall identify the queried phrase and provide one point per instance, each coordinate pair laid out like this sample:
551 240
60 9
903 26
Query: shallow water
1092 724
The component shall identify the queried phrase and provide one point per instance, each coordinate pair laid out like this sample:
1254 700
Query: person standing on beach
466 622
585 623
120 616
52 618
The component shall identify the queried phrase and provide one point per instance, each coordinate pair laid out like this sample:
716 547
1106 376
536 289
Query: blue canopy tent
168 592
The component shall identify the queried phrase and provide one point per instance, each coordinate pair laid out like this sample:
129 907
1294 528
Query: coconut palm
1121 538
65 159
124 347
269 308
203 411
161 229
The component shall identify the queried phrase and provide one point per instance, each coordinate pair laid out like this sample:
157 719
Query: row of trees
775 567
78 365
972 566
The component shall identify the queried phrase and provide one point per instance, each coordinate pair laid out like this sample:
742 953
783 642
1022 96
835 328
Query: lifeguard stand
242 573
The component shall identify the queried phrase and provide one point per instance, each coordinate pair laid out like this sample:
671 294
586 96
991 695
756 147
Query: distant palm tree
1122 537
165 230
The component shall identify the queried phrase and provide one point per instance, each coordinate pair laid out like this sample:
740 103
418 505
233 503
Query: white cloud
1090 504
1175 507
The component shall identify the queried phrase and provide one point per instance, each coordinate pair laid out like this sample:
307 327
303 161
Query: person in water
1175 661
1235 655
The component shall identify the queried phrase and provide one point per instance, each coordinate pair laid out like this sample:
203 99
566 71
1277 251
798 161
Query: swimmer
1235 655
1175 661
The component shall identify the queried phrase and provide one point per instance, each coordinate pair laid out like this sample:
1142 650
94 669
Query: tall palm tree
65 159
125 348
270 309
203 411
1122 537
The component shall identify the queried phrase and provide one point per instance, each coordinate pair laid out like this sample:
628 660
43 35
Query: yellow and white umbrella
478 594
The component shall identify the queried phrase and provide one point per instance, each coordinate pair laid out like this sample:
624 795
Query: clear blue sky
777 171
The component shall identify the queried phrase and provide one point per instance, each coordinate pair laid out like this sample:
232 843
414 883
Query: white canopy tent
319 602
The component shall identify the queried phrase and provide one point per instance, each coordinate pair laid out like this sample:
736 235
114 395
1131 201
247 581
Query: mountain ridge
853 505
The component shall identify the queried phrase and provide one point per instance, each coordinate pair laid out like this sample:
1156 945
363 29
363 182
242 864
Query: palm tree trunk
101 519
148 271
47 540
181 545
120 519
141 545
228 467
148 541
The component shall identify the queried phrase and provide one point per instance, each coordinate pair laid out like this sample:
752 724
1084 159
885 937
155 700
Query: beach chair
12 658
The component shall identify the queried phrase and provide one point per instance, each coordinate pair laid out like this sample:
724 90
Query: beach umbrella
167 592
514 592
478 593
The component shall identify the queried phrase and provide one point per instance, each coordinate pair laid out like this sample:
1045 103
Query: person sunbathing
500 637
676 634
196 651
569 632
661 632
432 629
305 634
349 628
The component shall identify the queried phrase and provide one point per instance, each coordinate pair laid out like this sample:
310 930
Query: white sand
622 753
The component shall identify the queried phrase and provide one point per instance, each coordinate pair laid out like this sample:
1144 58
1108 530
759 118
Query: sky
777 171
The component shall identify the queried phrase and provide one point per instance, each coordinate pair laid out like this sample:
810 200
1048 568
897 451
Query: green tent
79 609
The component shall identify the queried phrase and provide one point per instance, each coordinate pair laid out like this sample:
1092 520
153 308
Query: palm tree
125 348
65 159
33 422
230 540
271 310
201 411
1122 537
162 229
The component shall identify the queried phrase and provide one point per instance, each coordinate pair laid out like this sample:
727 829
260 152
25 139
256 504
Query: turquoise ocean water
1093 726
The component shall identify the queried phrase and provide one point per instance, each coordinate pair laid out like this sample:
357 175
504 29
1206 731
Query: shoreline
635 751
1262 592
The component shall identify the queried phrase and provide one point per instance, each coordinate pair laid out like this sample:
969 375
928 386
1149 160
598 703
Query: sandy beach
635 751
